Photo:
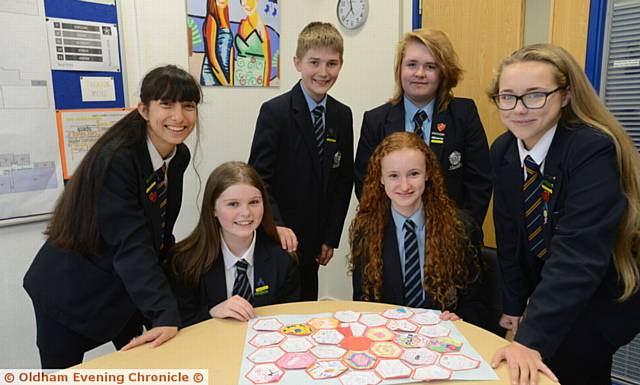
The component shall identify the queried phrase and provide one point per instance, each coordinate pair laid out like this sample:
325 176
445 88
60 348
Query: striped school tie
241 286
161 189
318 129
533 210
412 278
418 120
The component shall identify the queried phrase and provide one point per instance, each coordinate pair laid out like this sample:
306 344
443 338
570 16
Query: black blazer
273 267
469 181
472 304
310 199
577 281
96 295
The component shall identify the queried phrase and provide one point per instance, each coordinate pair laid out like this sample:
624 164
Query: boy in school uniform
303 149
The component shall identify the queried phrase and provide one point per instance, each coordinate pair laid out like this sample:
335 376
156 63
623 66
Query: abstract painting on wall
234 42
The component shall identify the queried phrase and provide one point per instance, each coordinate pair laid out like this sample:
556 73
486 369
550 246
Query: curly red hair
447 241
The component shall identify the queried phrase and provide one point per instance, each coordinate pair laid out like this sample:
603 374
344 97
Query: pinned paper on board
397 346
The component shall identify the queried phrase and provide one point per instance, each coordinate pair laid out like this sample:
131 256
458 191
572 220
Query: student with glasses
567 217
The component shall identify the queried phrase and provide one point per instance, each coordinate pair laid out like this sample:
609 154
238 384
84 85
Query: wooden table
217 345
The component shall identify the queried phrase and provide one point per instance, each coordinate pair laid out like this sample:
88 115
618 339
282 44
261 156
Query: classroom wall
154 33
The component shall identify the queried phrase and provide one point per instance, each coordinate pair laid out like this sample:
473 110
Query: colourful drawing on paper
234 42
352 348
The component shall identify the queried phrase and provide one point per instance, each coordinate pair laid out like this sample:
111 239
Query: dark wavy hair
447 241
74 225
194 256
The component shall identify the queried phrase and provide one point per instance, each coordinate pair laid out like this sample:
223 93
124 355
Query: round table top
218 344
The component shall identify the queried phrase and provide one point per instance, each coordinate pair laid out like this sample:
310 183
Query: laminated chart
30 169
401 345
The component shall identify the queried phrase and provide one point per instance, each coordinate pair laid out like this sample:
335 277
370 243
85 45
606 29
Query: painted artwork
397 346
234 42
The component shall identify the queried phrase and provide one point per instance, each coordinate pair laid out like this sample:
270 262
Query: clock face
352 13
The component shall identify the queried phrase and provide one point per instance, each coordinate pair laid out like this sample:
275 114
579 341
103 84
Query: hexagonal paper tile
420 356
386 349
296 361
411 340
328 351
265 355
327 336
357 329
434 331
444 345
267 324
346 316
360 360
379 333
402 325
458 362
432 372
393 369
360 378
265 374
296 344
426 318
297 329
372 319
326 369
357 343
323 323
399 313
266 339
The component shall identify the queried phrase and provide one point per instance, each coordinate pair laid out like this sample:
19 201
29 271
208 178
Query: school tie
318 129
412 278
161 189
533 213
241 286
418 120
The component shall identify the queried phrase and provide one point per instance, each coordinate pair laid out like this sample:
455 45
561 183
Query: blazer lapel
552 178
150 183
332 155
392 277
302 118
512 174
441 127
216 283
264 275
394 121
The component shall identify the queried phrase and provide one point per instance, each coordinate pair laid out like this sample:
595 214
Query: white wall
154 33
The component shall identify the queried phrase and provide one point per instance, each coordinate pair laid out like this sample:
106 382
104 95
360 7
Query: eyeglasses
531 100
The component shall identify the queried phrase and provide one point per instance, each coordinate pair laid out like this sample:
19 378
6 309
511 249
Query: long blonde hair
446 59
586 107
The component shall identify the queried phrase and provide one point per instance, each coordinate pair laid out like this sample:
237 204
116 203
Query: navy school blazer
273 268
464 155
577 281
310 198
472 304
97 295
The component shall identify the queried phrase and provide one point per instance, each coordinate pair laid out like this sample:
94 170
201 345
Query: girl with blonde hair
567 214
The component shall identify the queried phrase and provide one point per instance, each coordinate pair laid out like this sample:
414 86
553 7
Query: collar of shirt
312 103
410 110
539 151
156 158
417 218
230 259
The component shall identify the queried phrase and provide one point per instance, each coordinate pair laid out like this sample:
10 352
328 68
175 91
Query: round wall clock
352 14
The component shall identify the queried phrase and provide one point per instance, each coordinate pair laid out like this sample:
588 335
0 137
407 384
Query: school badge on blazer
261 288
455 160
337 157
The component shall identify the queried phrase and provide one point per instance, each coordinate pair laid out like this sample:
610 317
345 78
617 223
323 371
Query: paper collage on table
396 346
